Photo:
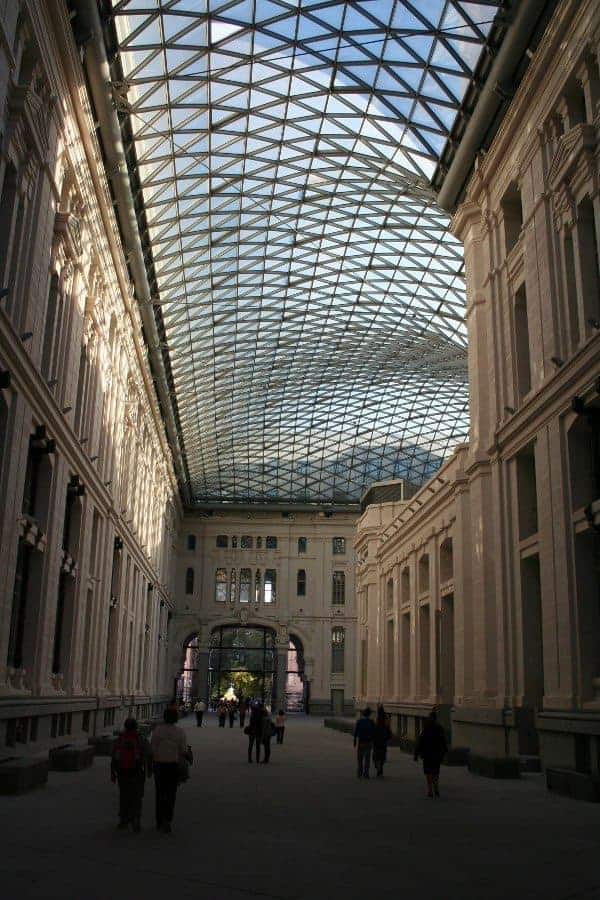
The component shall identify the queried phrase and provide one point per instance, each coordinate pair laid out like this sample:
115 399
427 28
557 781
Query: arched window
270 586
191 541
338 597
301 583
189 581
338 642
245 585
302 543
221 585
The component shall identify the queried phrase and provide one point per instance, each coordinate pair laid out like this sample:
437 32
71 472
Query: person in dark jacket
255 731
363 740
130 766
381 736
432 747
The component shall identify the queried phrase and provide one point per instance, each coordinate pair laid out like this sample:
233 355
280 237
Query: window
257 586
222 540
339 545
301 583
233 587
191 541
338 641
189 581
512 211
339 588
270 585
522 351
389 594
246 542
245 584
424 574
271 543
234 542
302 544
259 543
527 492
221 585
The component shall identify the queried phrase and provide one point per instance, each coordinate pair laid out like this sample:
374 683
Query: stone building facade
486 584
89 499
291 573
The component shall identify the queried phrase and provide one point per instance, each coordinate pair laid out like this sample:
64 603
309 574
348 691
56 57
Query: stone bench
578 785
19 774
71 757
494 766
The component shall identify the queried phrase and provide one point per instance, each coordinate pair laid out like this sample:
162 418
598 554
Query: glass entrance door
244 659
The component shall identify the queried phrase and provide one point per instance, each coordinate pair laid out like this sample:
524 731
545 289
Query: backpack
128 752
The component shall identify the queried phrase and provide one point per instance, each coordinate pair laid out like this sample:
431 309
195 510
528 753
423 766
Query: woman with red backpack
129 766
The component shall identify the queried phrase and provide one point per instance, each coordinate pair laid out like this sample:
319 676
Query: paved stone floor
302 827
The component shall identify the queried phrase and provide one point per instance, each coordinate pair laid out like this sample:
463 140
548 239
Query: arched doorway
295 687
243 658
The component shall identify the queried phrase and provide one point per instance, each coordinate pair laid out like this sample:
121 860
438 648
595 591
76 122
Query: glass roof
311 294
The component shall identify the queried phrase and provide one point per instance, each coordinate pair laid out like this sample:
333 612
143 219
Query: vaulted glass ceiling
311 294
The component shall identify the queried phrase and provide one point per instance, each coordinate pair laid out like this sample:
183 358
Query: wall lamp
3 293
26 336
558 362
52 381
510 410
67 409
594 323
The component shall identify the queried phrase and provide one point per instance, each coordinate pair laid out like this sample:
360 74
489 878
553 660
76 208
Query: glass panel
271 543
221 585
284 188
339 588
222 540
233 587
339 545
246 542
302 545
257 587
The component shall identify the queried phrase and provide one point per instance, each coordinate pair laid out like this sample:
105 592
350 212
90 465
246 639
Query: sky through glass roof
311 294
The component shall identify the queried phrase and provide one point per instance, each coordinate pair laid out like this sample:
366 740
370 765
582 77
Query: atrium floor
302 827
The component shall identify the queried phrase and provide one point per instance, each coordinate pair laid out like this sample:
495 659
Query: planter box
20 774
574 784
71 757
494 766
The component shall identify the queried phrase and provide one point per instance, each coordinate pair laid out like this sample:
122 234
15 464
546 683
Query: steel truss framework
311 294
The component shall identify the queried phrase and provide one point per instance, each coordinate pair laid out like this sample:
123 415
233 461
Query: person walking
363 741
254 731
222 713
280 726
432 747
199 709
381 735
129 767
267 732
169 751
231 709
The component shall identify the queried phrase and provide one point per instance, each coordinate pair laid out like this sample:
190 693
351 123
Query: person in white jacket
199 709
169 749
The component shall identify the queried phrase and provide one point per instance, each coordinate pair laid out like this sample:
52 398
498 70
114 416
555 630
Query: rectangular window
245 585
527 492
222 541
522 350
191 542
233 587
338 597
338 640
270 585
301 583
339 545
271 543
302 542
221 585
259 543
246 542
